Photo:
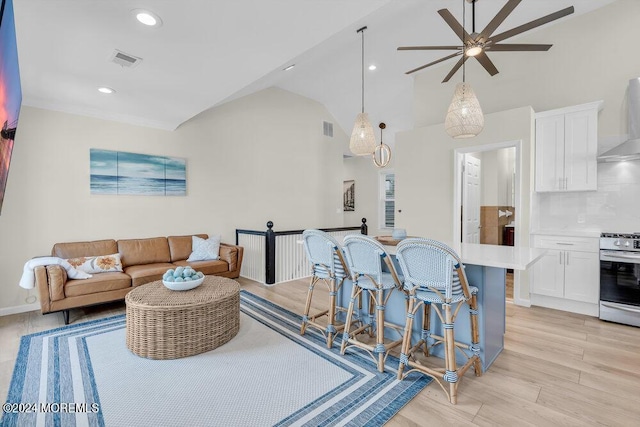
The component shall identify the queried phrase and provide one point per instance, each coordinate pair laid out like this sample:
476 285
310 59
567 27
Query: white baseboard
566 305
19 309
522 302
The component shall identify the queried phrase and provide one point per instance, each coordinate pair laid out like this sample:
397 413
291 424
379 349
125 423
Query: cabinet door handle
564 244
566 183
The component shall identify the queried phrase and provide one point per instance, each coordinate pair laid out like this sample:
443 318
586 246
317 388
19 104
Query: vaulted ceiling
208 52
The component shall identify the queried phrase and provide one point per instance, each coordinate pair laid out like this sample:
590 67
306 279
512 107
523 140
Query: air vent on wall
327 129
124 59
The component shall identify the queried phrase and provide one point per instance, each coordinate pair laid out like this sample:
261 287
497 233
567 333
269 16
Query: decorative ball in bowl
182 278
399 234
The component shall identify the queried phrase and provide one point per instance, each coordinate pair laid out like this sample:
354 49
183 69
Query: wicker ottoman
166 324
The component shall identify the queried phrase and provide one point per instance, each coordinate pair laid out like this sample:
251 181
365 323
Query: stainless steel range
620 278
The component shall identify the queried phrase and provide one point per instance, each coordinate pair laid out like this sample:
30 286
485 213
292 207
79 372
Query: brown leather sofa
143 261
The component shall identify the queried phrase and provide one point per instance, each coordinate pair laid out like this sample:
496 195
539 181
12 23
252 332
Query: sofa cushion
97 264
205 249
229 254
81 249
57 277
143 251
146 273
180 246
98 283
206 267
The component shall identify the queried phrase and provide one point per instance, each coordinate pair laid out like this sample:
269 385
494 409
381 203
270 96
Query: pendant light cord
464 42
473 16
362 65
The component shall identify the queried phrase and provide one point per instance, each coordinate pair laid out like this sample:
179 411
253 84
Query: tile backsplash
614 207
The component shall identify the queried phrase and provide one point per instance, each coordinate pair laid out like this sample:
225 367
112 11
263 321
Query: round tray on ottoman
165 324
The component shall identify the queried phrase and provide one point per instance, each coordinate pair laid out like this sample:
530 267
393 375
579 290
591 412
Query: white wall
366 175
497 167
259 158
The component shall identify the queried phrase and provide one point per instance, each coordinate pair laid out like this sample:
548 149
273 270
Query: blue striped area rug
84 375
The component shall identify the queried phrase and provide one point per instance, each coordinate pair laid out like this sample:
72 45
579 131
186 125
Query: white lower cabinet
582 276
567 277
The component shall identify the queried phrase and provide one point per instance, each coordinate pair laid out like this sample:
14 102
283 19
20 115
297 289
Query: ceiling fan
478 44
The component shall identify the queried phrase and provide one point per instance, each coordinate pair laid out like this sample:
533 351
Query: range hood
630 149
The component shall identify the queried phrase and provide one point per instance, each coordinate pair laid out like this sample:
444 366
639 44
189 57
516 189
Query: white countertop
515 257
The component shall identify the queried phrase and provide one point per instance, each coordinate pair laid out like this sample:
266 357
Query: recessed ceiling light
105 89
289 67
147 18
372 67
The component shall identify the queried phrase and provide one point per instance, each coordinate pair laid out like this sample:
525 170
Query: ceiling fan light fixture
474 49
464 118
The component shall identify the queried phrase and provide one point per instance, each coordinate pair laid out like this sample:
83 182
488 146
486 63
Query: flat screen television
10 91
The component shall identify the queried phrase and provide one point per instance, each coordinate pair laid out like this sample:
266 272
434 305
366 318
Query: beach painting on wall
121 173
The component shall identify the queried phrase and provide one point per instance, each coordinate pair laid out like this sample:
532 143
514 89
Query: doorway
487 185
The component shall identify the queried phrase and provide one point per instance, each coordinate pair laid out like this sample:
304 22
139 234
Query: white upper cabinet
566 148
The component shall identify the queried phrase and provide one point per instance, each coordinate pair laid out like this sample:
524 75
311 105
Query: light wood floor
557 368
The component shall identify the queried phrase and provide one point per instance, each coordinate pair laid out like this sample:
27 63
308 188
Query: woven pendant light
464 118
363 140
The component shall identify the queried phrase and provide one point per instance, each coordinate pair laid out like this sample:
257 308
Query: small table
166 324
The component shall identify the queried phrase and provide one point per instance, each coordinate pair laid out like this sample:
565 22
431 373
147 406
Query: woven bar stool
364 258
328 265
434 276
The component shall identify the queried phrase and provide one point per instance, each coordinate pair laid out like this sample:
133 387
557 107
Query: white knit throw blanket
28 277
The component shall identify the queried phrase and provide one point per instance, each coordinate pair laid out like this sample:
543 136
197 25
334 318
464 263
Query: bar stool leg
347 325
380 349
451 373
331 329
305 316
475 335
406 339
426 326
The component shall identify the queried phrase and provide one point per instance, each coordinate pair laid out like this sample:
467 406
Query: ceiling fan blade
533 24
434 62
455 25
514 47
455 68
430 48
498 19
486 63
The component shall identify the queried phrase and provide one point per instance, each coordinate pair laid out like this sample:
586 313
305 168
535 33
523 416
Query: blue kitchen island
485 267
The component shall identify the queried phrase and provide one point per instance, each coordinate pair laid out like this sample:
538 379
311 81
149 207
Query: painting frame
349 196
135 174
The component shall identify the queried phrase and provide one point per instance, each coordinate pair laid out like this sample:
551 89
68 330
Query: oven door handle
620 307
620 256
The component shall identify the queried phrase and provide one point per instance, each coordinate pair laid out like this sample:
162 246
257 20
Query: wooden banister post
270 255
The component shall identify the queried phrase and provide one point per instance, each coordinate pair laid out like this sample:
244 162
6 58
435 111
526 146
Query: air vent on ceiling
327 129
124 59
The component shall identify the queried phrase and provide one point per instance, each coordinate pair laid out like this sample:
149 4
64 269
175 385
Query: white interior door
471 200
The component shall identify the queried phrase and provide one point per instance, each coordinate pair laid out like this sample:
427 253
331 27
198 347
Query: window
387 199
